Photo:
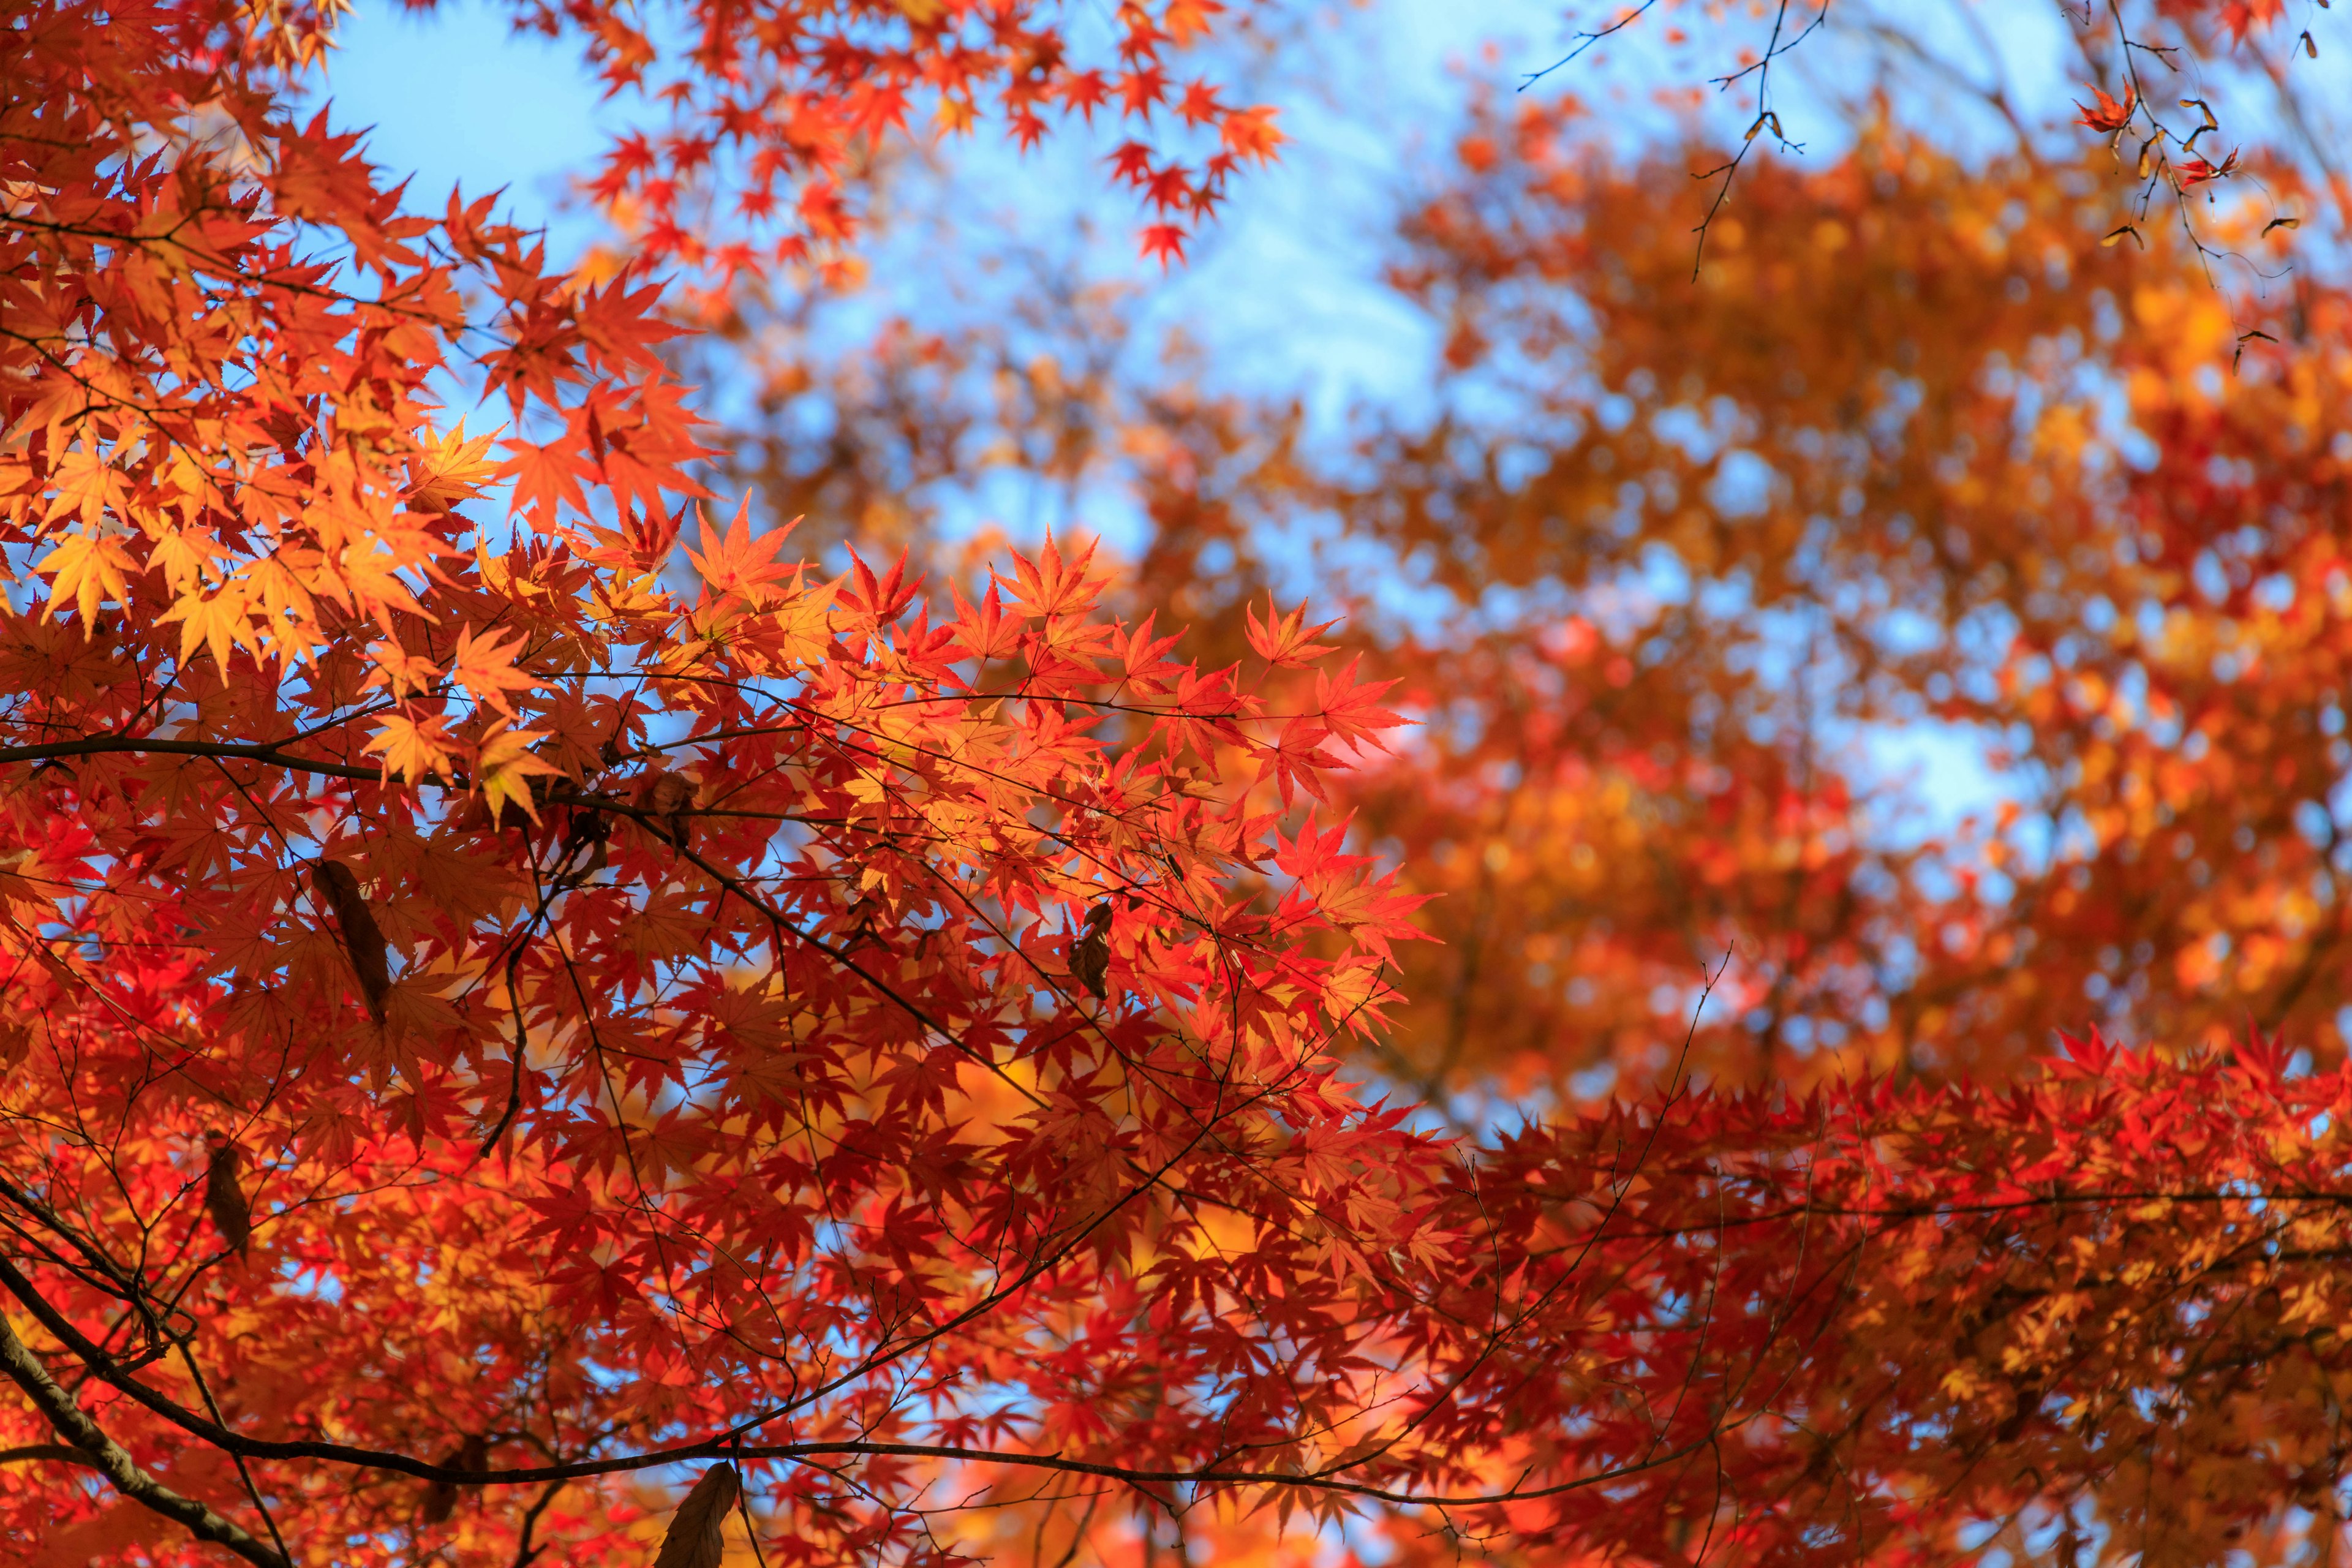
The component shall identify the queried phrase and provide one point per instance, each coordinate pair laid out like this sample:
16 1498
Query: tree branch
258 751
56 1453
103 1453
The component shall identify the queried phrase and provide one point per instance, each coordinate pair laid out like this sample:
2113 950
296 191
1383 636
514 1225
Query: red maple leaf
2109 115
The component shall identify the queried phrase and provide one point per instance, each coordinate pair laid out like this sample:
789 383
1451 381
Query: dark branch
104 1454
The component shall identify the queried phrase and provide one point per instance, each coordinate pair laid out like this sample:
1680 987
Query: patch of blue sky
456 97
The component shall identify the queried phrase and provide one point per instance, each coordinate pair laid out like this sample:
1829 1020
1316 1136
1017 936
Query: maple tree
509 1059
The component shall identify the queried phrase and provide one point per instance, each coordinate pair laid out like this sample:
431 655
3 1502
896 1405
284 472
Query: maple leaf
803 625
88 568
1349 707
621 325
743 565
1287 640
2109 115
87 486
451 470
1047 584
2194 172
2241 17
398 670
414 749
986 633
546 477
1164 242
1252 133
214 621
1297 758
484 667
503 766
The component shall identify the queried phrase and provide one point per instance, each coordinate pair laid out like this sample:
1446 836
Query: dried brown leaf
668 795
441 1497
1090 955
697 1537
362 939
224 1197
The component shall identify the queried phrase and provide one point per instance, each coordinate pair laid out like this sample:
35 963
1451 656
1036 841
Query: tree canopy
553 1011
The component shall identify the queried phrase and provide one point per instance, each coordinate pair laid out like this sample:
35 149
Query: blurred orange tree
1929 606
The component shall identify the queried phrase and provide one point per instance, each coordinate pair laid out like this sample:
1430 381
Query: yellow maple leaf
804 626
180 555
88 568
449 470
217 622
87 484
503 769
411 748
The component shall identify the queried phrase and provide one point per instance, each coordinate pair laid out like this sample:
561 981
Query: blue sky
454 97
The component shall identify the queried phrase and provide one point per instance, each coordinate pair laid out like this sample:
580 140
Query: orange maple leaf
1287 640
504 765
484 667
1049 585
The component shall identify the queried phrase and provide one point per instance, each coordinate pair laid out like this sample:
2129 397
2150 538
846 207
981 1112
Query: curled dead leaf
668 795
223 1196
697 1536
441 1497
584 852
362 939
1090 954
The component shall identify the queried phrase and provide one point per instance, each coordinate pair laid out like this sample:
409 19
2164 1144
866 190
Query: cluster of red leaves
476 1018
773 108
2107 1301
1908 394
752 1097
2234 17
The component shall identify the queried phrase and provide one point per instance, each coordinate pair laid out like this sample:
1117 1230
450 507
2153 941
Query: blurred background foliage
1916 604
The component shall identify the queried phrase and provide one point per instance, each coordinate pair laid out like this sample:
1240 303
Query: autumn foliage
544 1021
